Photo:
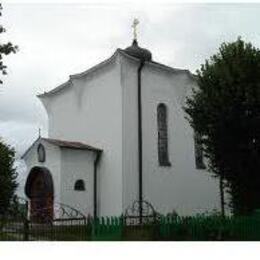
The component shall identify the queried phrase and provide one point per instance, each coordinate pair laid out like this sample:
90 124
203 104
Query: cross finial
134 25
39 132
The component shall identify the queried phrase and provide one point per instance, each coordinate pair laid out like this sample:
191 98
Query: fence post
26 230
26 225
95 228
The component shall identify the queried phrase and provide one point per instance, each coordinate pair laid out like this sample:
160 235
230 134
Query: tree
8 173
225 111
5 49
8 176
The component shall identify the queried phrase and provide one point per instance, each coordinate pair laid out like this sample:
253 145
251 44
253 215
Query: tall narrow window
198 152
163 156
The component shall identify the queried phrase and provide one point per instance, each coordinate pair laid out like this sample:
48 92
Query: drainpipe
140 138
98 154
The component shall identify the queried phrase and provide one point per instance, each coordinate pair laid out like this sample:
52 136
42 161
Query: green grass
4 237
61 233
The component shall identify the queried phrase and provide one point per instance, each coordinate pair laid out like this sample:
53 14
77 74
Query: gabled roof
79 75
105 62
63 144
71 144
158 65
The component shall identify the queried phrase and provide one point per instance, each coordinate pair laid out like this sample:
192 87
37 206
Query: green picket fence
197 228
163 228
107 229
214 228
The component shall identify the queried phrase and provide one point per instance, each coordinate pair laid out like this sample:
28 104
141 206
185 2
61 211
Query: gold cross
134 25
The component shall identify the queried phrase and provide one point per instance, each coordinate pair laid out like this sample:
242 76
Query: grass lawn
4 237
46 233
60 233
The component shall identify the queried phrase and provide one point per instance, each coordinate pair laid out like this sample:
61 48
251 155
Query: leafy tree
8 176
5 49
225 111
7 171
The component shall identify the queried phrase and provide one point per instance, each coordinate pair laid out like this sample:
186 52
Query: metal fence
71 225
59 230
18 223
175 228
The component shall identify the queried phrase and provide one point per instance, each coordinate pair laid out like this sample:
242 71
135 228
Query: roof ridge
64 144
78 75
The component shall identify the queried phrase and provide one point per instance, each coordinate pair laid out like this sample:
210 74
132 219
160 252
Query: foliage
5 49
7 172
225 111
8 176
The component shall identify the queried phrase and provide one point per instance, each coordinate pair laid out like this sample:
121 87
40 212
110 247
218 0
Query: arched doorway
39 189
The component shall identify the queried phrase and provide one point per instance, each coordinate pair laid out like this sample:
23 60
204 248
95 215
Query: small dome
138 52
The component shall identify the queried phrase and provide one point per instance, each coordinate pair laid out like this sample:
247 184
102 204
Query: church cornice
122 52
159 65
80 75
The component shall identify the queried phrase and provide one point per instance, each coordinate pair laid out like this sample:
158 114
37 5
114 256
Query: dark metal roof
138 52
63 144
70 144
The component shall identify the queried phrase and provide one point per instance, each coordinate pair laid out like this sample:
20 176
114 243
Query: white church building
118 134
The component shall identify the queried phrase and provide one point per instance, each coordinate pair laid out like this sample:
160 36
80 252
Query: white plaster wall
100 109
75 165
180 187
52 163
130 131
90 111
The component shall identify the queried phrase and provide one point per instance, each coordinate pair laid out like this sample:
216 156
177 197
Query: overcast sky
57 40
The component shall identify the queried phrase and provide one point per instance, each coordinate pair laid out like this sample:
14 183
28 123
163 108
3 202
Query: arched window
41 153
199 157
163 156
79 185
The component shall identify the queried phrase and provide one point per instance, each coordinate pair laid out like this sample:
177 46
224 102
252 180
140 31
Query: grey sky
57 40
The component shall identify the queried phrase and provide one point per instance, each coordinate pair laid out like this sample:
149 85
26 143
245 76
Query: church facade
118 134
